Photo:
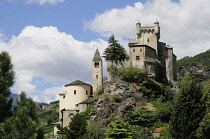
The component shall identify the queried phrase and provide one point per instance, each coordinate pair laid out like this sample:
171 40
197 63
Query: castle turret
138 27
97 71
157 27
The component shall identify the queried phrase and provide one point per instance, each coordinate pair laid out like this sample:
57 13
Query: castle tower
97 71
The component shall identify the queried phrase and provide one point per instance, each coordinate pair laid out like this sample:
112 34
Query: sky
52 42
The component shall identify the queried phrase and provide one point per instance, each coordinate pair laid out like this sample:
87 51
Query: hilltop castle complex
146 52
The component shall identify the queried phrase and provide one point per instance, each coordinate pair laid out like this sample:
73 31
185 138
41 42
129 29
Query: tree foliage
141 117
132 75
6 81
115 52
76 128
188 110
119 129
23 124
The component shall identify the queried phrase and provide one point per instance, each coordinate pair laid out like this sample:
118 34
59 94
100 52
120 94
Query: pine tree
115 52
23 124
188 110
6 81
76 128
119 129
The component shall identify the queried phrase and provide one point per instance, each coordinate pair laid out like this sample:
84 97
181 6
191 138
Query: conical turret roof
97 55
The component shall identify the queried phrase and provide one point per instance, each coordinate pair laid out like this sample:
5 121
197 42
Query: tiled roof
158 130
77 82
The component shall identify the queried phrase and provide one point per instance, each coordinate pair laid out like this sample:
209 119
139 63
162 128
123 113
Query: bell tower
97 71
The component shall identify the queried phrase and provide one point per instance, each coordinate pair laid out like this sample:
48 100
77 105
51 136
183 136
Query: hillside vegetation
203 58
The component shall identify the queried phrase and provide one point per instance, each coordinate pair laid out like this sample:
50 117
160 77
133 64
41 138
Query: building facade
75 99
146 51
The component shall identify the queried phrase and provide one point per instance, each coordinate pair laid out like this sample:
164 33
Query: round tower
157 27
138 27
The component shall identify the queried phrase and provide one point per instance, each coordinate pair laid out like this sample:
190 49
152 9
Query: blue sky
52 42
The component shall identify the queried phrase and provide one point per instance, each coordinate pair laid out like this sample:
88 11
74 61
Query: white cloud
54 56
184 25
42 2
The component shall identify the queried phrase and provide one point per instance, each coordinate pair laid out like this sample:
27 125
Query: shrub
117 98
132 74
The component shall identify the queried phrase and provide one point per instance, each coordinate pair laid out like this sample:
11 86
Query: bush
117 98
100 91
132 74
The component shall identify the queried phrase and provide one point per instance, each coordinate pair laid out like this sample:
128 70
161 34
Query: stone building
146 51
75 99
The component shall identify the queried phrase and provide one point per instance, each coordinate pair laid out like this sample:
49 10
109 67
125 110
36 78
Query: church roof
77 82
97 55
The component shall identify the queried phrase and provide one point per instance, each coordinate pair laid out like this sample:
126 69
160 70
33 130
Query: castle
146 52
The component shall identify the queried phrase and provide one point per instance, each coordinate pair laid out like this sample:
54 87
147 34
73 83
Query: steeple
97 56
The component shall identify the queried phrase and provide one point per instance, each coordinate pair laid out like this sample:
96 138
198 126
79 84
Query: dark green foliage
40 134
203 132
132 75
115 52
119 129
203 58
76 128
100 91
117 98
141 117
163 110
188 110
140 132
24 123
154 90
6 81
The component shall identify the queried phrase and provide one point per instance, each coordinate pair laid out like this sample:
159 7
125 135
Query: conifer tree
115 52
119 129
6 81
188 110
23 124
76 128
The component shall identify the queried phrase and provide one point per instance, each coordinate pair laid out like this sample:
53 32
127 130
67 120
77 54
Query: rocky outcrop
195 70
118 97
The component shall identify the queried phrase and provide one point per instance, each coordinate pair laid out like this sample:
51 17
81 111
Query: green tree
24 123
188 110
95 130
6 81
203 132
141 117
76 128
119 129
115 52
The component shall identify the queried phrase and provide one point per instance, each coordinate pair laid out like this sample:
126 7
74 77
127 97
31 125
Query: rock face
118 97
195 70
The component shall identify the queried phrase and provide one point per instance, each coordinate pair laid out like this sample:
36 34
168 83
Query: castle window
96 64
147 39
140 50
133 50
86 92
96 76
75 92
137 58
